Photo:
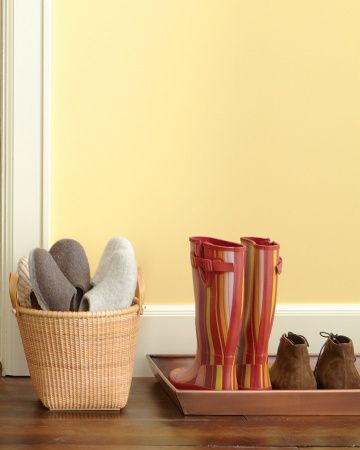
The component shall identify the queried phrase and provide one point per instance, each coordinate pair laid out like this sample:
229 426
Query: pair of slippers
59 279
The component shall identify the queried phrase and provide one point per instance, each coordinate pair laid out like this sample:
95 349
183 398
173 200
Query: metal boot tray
312 402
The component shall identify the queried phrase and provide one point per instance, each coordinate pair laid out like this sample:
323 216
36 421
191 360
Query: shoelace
332 336
325 334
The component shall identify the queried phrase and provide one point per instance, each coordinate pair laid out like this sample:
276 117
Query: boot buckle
206 264
201 263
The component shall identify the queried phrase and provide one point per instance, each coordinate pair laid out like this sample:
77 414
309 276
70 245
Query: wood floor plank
152 421
120 447
326 448
157 434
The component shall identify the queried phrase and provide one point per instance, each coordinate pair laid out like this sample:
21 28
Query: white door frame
25 152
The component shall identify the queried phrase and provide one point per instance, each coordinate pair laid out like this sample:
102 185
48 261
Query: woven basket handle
140 290
13 281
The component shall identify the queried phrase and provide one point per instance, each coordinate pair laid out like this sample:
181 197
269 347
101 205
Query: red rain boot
263 264
218 279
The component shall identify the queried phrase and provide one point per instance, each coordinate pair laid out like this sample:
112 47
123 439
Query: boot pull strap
278 266
211 265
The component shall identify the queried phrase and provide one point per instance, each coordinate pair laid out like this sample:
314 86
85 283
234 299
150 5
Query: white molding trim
25 169
170 329
169 310
318 309
282 309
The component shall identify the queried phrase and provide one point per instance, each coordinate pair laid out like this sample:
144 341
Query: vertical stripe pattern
219 308
259 300
24 285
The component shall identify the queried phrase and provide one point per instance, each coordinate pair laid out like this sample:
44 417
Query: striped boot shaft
218 281
263 265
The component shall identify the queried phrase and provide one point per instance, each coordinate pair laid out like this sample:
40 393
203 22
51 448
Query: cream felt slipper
117 243
115 279
24 286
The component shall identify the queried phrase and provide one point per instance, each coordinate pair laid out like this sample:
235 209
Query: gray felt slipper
53 290
115 279
115 244
71 258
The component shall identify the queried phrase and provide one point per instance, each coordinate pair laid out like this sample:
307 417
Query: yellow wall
174 118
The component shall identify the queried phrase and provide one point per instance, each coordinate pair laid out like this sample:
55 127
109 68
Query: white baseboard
170 328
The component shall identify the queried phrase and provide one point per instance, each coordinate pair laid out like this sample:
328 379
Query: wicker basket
79 360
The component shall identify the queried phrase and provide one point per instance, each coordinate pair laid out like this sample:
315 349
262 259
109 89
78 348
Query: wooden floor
151 421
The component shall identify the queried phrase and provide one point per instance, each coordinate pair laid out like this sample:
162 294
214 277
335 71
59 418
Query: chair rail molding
25 151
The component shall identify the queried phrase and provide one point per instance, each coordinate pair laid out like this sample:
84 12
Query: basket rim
134 308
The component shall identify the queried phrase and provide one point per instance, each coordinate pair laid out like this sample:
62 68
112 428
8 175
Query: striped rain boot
218 279
263 264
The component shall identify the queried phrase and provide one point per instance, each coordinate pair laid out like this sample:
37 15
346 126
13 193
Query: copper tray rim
314 402
156 369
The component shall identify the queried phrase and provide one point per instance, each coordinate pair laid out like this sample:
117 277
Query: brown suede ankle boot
291 369
335 368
